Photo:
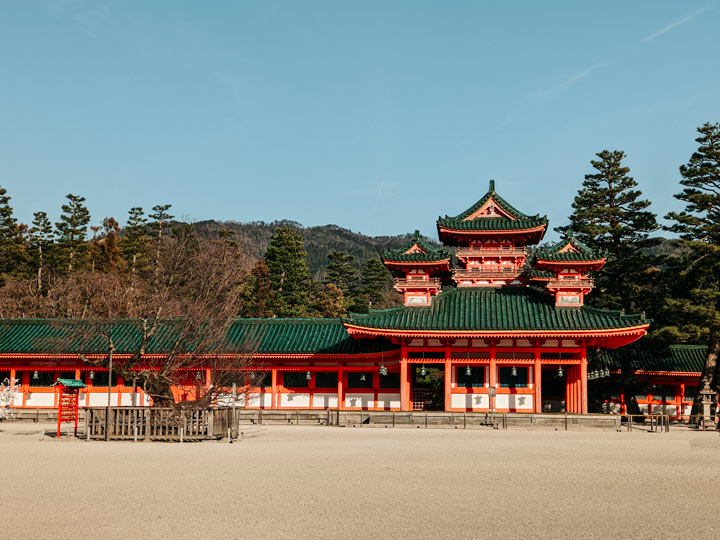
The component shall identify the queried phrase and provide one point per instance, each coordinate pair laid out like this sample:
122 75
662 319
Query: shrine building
487 323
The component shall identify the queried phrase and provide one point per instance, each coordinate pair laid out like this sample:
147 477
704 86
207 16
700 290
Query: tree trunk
710 370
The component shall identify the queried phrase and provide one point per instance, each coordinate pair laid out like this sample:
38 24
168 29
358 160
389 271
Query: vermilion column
340 398
448 377
273 401
538 379
583 382
493 373
404 390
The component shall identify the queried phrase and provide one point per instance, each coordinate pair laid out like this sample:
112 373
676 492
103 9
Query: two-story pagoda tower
491 239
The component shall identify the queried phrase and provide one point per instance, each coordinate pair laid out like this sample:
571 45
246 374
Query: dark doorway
553 390
427 386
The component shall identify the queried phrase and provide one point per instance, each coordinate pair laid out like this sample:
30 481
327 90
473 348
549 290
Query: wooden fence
156 424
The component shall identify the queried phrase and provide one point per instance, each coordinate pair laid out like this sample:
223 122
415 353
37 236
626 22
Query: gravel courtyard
320 482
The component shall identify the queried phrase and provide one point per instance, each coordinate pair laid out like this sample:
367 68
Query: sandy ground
327 482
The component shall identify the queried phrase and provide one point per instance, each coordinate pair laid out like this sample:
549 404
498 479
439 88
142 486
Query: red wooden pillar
583 381
340 393
273 401
404 383
448 377
493 373
681 412
537 381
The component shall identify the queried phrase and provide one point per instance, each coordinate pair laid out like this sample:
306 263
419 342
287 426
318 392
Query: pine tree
159 224
341 273
135 240
110 257
699 228
13 260
255 297
609 215
288 272
375 284
72 231
41 238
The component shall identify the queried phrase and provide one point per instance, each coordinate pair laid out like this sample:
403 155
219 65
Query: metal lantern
513 372
362 376
607 372
36 375
383 370
560 372
92 375
308 375
423 371
468 372
198 376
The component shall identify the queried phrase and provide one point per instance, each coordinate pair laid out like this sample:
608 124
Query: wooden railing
150 423
464 273
584 283
464 253
433 283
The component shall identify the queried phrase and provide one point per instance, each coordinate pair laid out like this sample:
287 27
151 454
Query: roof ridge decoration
417 250
492 212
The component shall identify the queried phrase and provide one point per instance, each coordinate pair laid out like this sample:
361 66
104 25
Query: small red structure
68 405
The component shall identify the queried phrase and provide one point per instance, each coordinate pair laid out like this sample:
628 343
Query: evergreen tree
255 297
13 261
288 272
341 273
111 252
41 237
327 300
375 285
135 240
699 228
609 215
72 231
159 224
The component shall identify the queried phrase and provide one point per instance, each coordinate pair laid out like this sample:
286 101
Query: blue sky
377 116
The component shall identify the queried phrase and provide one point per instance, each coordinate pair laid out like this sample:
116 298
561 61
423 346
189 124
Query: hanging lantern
468 372
596 374
362 376
383 370
92 375
308 375
607 372
198 376
423 371
36 375
560 372
513 372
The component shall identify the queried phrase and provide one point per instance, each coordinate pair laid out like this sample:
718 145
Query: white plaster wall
521 402
37 399
100 399
295 400
389 401
470 401
18 399
325 401
357 400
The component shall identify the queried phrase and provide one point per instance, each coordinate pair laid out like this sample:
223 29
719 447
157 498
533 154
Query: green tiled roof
676 358
491 309
520 220
299 336
541 274
431 254
583 253
70 383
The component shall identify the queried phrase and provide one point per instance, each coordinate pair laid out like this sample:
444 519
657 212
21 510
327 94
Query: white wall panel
37 399
325 401
357 400
388 401
521 402
470 401
295 400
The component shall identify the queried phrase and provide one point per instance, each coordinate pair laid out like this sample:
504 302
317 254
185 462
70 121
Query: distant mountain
319 241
